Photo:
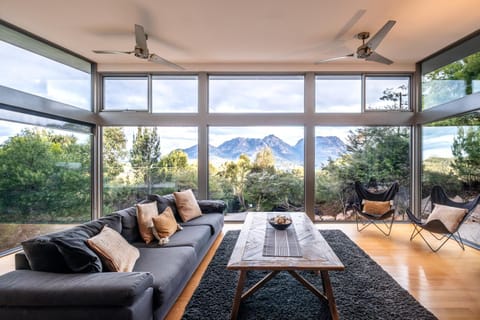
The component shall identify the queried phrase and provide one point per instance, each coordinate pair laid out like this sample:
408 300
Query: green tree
145 154
235 174
466 152
45 178
114 151
264 161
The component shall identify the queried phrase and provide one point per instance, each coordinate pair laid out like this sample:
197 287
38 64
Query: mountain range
326 147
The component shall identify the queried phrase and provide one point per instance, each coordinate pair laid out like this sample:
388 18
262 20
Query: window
338 94
125 93
256 94
451 82
451 159
46 182
138 161
175 94
374 155
257 168
33 67
387 93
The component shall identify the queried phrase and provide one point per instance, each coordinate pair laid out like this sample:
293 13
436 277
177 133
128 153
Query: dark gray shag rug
363 291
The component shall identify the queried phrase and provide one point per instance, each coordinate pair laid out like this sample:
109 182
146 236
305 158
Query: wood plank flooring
447 283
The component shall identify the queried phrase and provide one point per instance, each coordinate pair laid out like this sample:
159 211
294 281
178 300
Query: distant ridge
327 147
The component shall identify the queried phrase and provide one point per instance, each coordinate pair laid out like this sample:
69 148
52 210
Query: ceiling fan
141 50
367 49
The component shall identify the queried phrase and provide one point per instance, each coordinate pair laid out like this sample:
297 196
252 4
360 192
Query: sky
38 75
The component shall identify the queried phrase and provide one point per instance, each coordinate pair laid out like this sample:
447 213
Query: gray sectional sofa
70 283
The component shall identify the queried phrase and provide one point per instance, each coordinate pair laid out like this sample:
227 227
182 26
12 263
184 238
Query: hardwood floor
447 283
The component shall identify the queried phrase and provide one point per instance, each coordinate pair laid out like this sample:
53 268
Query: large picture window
375 156
33 67
46 182
257 168
451 159
138 161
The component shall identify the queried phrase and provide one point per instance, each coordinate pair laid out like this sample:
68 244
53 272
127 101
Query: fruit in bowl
280 222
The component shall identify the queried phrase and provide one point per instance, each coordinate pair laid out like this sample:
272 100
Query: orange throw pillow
376 207
187 205
165 223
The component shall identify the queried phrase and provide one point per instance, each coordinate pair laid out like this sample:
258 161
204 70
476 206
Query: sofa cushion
129 224
187 205
171 268
43 255
27 288
114 251
72 245
145 213
165 201
213 220
113 221
449 216
165 224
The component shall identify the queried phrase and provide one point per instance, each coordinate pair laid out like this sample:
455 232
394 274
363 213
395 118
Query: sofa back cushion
43 255
129 224
165 201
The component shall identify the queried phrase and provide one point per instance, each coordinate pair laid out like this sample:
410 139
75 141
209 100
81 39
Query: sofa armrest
211 206
36 288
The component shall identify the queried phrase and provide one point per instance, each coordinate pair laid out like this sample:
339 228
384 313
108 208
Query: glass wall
387 93
174 94
334 93
451 159
257 168
256 94
46 182
125 93
375 156
138 161
33 67
451 82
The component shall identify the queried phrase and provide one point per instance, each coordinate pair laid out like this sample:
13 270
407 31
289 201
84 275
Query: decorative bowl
280 222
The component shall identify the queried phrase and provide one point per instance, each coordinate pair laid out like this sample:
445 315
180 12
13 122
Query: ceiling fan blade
378 58
140 38
157 59
112 52
378 37
351 55
350 23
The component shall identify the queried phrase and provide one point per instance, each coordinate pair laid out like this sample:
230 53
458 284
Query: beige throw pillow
114 251
187 205
449 216
376 207
145 213
165 223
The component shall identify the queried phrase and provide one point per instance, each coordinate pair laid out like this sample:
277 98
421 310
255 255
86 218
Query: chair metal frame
435 227
374 219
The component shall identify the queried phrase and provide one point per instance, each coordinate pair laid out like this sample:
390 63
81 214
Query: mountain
285 154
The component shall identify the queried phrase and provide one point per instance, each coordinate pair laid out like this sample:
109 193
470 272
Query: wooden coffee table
316 256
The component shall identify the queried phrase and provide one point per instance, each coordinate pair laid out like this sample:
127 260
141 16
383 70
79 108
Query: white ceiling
247 35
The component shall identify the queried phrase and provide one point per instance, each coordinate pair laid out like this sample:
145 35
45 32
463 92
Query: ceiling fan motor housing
141 53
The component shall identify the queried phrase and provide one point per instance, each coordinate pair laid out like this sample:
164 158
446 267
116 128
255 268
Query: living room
270 106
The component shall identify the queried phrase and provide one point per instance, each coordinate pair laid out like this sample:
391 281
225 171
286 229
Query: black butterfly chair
436 228
375 219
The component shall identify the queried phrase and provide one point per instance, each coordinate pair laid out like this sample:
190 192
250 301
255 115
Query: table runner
281 243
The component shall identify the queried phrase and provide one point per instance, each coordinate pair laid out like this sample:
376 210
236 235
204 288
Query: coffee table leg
327 287
238 294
